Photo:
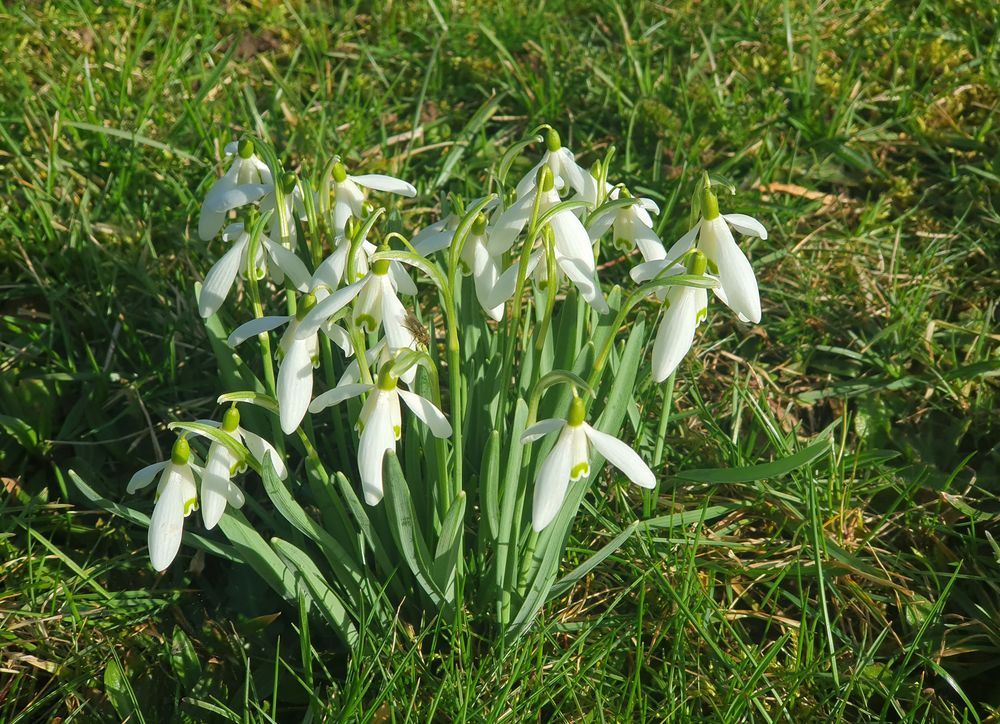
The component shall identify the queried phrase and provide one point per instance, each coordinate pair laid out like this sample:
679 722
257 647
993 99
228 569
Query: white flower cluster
349 294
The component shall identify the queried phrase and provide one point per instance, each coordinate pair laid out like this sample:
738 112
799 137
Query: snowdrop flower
573 251
569 460
378 306
221 276
348 196
300 346
176 499
217 487
564 168
684 308
381 423
737 283
293 206
246 181
631 225
332 270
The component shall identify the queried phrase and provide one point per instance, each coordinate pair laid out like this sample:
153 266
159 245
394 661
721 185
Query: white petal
684 243
166 525
145 476
231 148
676 331
215 483
397 335
527 182
486 274
509 224
507 283
253 328
339 336
337 395
576 259
401 280
433 238
541 429
376 438
650 207
381 182
579 456
341 213
735 274
209 223
649 243
220 278
600 223
622 457
641 273
551 483
429 414
236 197
294 386
326 309
746 225
289 264
577 177
260 448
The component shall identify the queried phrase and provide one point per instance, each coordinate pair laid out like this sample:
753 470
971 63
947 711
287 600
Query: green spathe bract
474 518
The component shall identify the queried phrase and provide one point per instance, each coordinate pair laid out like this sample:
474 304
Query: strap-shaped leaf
489 497
449 547
342 562
330 605
774 469
406 530
256 552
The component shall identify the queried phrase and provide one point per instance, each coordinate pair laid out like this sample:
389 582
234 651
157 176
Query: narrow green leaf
342 562
449 547
774 469
258 554
489 497
327 601
405 529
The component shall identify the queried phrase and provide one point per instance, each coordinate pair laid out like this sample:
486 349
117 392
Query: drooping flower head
737 284
380 423
176 499
569 460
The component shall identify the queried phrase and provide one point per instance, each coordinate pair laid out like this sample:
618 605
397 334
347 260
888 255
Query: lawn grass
864 586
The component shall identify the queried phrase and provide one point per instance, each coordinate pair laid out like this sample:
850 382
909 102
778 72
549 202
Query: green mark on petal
579 470
367 321
397 431
190 505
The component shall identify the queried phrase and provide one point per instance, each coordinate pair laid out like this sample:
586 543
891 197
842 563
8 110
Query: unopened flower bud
339 173
231 420
545 180
552 141
181 452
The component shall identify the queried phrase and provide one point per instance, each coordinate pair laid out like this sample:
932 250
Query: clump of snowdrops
423 414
